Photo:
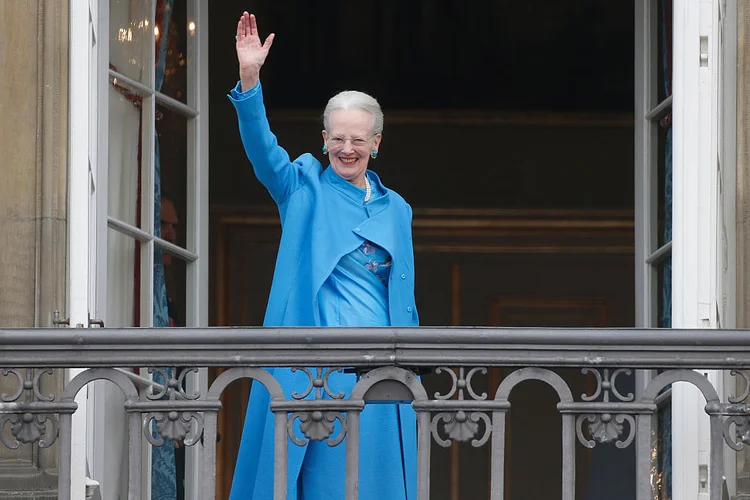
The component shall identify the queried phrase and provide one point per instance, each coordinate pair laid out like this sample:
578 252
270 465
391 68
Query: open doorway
509 129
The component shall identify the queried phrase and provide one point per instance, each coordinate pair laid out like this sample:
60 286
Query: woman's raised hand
251 54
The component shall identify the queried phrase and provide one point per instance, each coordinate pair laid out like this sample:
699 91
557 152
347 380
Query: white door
82 207
698 204
146 88
684 216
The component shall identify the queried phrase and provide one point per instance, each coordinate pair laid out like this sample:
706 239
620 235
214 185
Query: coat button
403 276
408 309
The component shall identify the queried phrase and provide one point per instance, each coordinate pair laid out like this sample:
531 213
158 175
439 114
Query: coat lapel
349 222
380 230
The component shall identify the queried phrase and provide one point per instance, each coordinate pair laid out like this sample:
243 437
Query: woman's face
350 141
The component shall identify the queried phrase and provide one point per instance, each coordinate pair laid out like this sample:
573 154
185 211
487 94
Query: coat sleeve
271 162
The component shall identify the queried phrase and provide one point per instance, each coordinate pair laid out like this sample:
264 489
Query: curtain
163 468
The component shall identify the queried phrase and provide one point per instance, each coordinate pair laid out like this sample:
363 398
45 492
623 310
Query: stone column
33 200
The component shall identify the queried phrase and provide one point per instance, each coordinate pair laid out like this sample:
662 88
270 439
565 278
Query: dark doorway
509 129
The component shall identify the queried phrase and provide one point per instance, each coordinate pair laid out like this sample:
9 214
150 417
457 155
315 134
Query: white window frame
81 181
703 237
693 260
88 190
648 112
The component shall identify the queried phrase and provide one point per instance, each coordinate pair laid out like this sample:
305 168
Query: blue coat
323 218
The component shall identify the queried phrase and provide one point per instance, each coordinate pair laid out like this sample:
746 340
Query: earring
374 154
325 149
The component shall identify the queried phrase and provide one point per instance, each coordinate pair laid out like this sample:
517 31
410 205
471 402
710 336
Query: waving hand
251 53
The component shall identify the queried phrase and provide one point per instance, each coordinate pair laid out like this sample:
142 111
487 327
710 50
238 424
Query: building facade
105 143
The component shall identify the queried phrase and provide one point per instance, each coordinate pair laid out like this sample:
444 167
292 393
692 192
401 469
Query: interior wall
450 54
505 268
493 104
478 162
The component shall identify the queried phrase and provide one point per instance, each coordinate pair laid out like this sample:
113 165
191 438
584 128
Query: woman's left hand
251 54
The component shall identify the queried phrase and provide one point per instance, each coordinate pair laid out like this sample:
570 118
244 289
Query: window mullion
102 192
196 278
661 110
175 105
117 76
660 254
175 250
147 177
197 162
129 230
643 140
147 210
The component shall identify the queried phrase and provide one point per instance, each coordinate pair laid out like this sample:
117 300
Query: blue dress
354 295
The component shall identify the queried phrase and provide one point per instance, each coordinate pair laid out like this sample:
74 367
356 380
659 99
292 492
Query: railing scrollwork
29 418
462 423
390 368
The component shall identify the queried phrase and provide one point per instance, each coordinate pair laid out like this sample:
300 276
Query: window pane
664 44
122 285
664 173
172 48
130 38
123 280
663 477
169 290
664 85
124 148
171 176
664 270
168 469
664 280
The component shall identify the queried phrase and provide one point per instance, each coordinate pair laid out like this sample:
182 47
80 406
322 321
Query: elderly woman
345 259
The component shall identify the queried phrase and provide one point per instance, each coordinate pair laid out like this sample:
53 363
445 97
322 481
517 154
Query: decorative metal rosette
461 424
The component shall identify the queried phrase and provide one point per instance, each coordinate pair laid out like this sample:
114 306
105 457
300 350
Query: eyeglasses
357 142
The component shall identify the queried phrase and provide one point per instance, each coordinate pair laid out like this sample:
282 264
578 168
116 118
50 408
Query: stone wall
33 200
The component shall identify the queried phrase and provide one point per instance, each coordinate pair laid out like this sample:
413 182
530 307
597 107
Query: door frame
81 182
702 66
88 218
703 248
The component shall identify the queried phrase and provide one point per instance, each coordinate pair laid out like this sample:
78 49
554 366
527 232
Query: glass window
654 208
664 270
152 186
151 144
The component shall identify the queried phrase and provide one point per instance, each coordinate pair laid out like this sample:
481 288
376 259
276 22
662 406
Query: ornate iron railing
389 361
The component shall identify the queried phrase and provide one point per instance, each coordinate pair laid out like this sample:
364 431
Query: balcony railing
389 361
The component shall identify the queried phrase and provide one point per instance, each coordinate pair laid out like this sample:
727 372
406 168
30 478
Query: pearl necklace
368 189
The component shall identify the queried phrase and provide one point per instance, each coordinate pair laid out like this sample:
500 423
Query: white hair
353 99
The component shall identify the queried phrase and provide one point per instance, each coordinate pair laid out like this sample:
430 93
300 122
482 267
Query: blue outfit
341 262
356 292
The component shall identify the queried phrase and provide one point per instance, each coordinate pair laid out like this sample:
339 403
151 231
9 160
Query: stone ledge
31 495
25 480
